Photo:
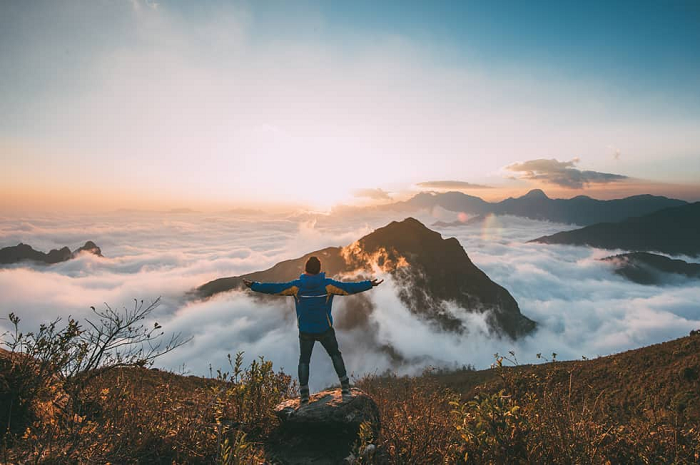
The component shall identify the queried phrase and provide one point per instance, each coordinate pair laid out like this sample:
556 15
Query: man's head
313 265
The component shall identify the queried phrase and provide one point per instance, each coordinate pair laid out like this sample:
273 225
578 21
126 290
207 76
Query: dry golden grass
640 406
415 416
132 415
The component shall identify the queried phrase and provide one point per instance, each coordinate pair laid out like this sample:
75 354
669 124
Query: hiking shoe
304 391
345 386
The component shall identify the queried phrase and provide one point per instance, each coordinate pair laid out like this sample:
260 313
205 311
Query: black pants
330 343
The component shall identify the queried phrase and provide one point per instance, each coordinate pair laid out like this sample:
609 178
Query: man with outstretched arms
313 295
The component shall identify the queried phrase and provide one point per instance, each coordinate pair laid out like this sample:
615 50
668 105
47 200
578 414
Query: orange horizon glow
86 198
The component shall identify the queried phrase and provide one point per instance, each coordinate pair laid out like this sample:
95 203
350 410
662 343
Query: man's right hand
375 282
247 283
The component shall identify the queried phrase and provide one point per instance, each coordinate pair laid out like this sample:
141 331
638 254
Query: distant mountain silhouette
458 223
23 252
675 231
452 201
649 268
581 210
429 270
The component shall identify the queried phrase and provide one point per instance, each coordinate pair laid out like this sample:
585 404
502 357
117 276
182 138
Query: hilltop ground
640 406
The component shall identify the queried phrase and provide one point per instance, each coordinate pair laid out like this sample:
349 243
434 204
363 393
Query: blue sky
643 44
197 94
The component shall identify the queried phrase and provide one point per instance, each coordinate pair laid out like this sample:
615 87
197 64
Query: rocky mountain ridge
23 252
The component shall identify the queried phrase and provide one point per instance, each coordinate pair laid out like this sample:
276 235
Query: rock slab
329 411
322 431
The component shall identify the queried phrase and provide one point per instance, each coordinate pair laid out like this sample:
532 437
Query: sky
111 104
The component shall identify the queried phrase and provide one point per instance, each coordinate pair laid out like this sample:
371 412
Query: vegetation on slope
640 406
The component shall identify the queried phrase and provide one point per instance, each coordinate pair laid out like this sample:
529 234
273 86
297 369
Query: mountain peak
535 194
407 234
428 271
406 224
90 247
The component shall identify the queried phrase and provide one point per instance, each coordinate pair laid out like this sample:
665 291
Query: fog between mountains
581 306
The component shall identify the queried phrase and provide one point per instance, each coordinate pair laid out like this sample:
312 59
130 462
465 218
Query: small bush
492 429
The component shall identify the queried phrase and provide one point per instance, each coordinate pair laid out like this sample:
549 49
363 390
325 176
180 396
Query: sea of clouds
582 307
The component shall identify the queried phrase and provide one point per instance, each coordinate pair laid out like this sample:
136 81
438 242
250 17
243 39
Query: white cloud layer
582 307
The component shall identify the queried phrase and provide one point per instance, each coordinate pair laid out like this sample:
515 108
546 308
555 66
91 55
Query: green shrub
492 429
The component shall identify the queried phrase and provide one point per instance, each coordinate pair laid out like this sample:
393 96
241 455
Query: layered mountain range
435 277
23 252
580 210
673 231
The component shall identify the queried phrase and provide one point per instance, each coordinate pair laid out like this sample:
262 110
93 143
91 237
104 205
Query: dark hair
313 265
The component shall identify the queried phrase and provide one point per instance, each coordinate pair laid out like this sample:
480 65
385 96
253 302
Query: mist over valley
581 306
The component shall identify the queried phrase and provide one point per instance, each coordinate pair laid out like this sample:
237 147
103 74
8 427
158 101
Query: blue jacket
313 296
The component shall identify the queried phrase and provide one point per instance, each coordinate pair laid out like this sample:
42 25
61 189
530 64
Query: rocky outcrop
23 252
324 431
329 411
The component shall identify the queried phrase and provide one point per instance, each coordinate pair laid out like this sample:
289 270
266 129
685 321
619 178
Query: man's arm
288 288
341 288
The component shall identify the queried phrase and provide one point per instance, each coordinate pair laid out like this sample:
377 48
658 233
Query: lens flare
492 228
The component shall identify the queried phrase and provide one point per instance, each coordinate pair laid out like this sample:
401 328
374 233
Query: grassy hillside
641 406
664 374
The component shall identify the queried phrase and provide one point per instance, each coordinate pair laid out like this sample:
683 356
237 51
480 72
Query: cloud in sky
582 307
374 194
451 185
561 173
